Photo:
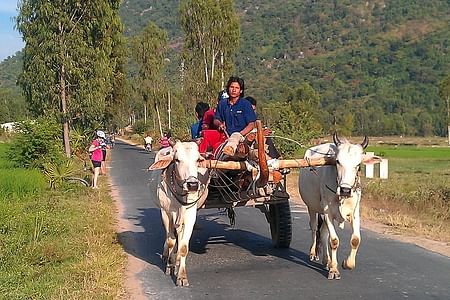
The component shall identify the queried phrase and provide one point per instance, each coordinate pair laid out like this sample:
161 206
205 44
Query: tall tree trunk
62 87
213 64
222 78
145 112
448 118
168 109
205 63
159 119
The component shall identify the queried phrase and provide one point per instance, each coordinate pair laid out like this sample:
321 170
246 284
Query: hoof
334 275
182 282
345 265
314 258
170 270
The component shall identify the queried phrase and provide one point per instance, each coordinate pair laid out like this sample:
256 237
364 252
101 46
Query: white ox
334 193
183 188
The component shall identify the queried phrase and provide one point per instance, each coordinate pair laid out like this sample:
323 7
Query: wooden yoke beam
273 164
301 163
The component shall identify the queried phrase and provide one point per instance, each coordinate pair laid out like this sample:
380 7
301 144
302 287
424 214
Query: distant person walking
96 153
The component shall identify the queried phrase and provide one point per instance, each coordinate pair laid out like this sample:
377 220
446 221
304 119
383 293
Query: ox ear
162 159
370 159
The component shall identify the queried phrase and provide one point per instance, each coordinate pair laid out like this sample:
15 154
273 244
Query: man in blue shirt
235 114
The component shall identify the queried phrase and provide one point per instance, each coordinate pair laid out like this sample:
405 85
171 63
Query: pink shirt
97 154
164 142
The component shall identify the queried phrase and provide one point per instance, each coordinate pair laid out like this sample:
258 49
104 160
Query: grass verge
57 244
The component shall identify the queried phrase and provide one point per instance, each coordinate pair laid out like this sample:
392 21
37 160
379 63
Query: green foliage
13 107
148 50
377 66
36 142
140 127
80 139
211 38
68 57
58 172
299 120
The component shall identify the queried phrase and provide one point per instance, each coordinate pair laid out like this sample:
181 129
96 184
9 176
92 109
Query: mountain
376 64
13 106
378 61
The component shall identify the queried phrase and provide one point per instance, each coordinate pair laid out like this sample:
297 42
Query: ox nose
345 191
192 186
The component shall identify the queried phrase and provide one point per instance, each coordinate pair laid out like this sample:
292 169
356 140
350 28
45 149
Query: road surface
240 263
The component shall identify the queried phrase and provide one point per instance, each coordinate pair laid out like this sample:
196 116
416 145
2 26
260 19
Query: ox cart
250 179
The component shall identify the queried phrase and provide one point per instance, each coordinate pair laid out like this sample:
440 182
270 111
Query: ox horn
336 139
365 142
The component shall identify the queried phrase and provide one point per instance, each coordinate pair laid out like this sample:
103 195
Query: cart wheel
280 224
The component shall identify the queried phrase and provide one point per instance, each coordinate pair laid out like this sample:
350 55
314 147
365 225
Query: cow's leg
313 251
169 243
183 245
333 273
355 241
324 244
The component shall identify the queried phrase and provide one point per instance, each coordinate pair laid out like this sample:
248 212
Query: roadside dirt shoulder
133 286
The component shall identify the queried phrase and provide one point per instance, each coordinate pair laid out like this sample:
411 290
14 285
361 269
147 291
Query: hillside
378 61
376 64
13 107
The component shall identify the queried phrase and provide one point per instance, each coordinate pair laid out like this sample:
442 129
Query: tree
148 50
298 119
212 35
444 91
67 68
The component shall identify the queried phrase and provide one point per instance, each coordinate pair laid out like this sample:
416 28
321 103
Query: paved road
240 263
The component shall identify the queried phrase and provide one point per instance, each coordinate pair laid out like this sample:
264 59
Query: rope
285 138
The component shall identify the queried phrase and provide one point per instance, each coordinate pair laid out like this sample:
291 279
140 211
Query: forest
374 67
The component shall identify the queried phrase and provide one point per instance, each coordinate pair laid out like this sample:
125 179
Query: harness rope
183 199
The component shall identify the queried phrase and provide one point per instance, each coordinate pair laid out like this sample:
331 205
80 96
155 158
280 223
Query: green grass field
56 244
416 196
415 160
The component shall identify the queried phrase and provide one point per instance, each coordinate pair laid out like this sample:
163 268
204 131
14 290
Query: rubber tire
280 224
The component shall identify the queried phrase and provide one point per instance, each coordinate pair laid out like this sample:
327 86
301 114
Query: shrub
60 171
141 127
37 142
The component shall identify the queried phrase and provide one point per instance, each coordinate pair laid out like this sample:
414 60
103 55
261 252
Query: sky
10 38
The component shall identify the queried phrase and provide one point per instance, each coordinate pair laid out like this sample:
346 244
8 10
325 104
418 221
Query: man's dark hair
201 108
239 80
251 100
